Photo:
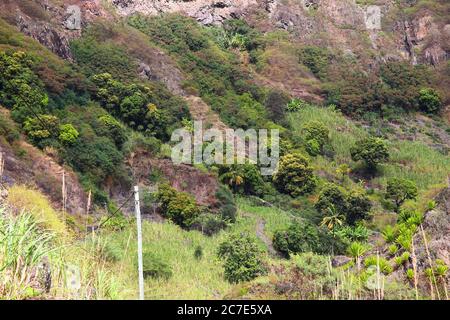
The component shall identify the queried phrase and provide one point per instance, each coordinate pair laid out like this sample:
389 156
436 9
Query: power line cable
115 212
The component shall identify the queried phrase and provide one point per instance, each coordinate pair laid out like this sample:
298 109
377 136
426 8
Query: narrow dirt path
261 234
200 111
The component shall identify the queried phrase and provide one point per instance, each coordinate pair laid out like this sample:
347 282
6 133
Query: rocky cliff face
436 228
52 23
205 11
337 23
425 36
343 24
25 164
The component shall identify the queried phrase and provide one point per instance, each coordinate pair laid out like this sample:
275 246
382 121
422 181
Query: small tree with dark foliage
372 151
399 190
242 258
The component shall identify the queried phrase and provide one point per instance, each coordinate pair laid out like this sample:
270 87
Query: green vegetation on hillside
356 175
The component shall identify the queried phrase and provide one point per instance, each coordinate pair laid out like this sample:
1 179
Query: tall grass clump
32 201
23 246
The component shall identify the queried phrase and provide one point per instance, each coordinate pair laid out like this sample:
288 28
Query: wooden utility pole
139 242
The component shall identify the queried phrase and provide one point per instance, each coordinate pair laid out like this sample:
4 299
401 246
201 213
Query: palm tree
233 178
333 218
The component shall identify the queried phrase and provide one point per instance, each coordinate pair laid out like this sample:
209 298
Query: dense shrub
110 127
102 56
96 157
429 100
275 104
295 105
243 178
242 35
180 207
151 110
42 130
354 206
68 134
111 251
371 150
243 261
316 59
358 208
402 82
294 175
209 223
155 267
20 89
332 195
394 87
226 204
198 252
315 135
303 237
215 73
8 129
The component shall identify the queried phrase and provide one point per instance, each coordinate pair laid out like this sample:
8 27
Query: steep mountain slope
361 104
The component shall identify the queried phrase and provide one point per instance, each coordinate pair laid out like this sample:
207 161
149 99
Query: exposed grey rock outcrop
47 35
204 11
73 18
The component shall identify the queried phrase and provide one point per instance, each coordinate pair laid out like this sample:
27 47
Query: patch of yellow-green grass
415 161
412 160
275 218
343 132
26 199
191 278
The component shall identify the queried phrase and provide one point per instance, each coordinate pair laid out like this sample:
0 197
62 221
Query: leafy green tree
42 129
316 130
243 178
315 134
294 175
151 110
372 151
304 237
354 206
29 101
110 127
242 255
68 134
298 237
358 207
399 190
429 100
332 196
20 89
180 207
98 158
